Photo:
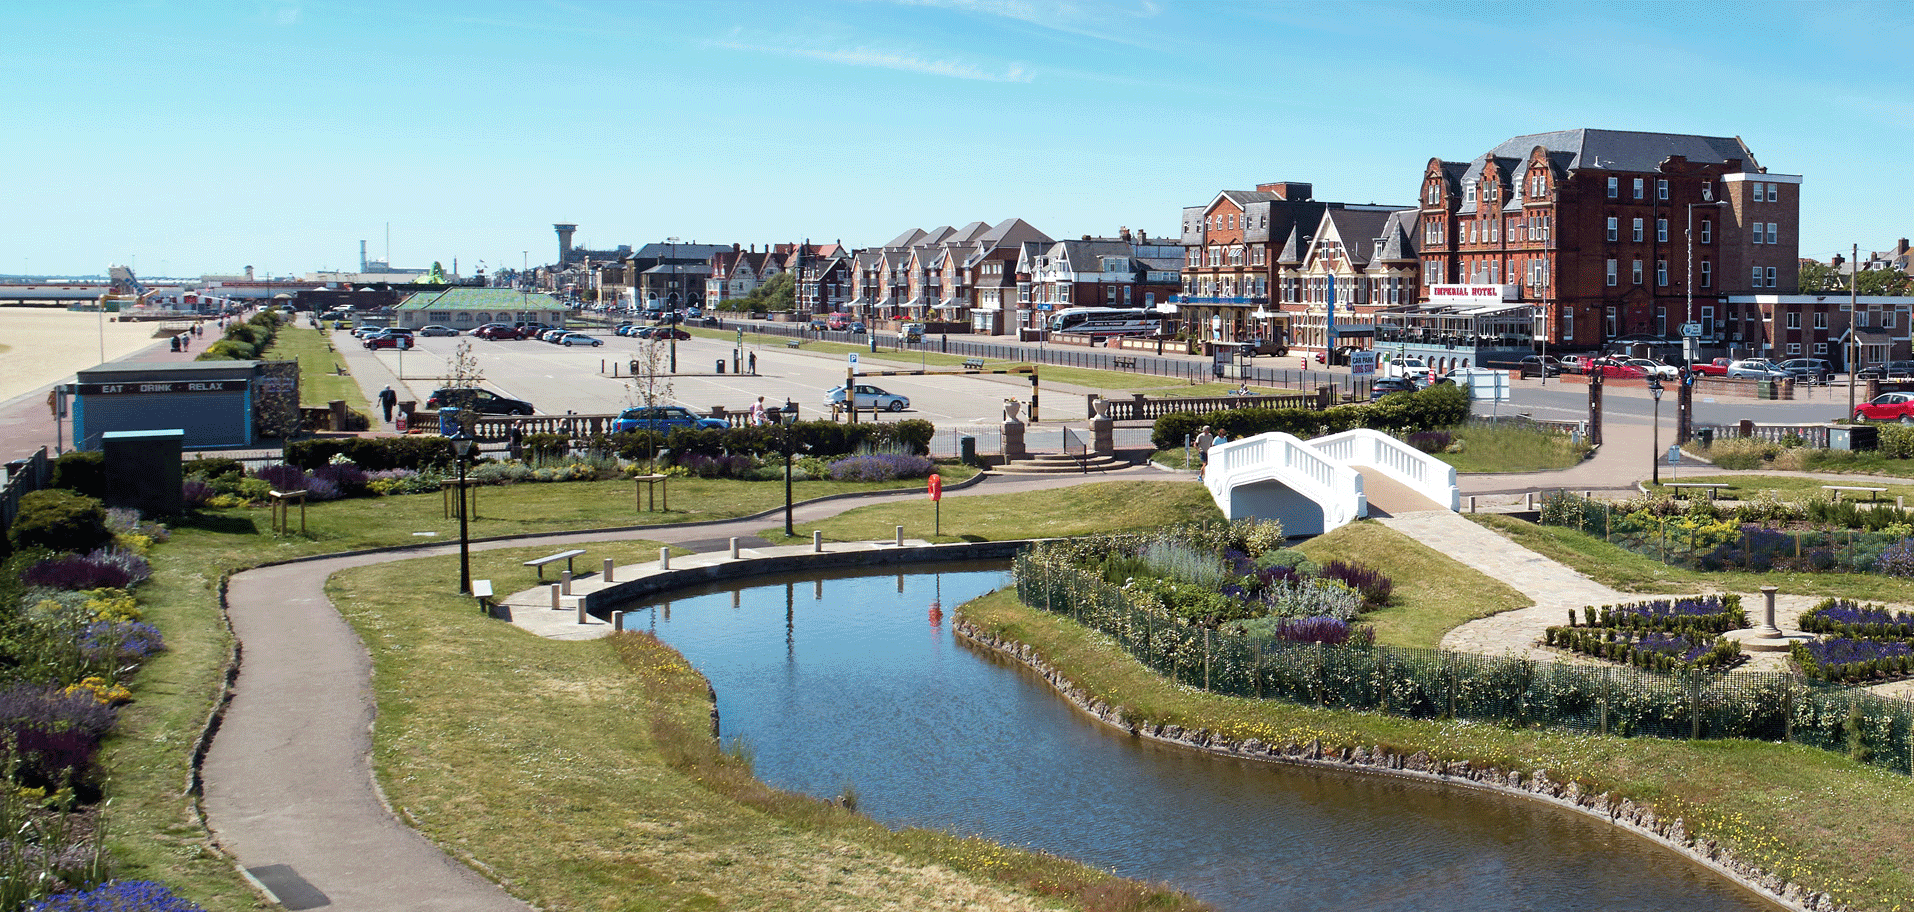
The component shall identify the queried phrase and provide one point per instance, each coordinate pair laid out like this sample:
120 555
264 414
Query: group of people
184 341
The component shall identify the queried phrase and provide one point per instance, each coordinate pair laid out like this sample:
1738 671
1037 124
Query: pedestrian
754 369
175 342
1204 440
515 441
387 401
757 412
185 341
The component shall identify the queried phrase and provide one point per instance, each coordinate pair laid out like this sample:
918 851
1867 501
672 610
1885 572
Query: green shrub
1440 406
59 521
414 451
82 472
1897 441
211 467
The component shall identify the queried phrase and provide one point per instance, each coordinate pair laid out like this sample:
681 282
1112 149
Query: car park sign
1362 363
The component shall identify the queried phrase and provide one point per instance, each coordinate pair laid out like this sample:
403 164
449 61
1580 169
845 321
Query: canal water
856 682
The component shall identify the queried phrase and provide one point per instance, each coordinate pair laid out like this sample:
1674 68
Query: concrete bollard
734 548
817 541
583 618
1471 503
900 536
1528 502
618 622
606 576
556 604
664 558
565 581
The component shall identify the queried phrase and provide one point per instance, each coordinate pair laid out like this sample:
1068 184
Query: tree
651 384
1886 282
462 371
778 294
1820 278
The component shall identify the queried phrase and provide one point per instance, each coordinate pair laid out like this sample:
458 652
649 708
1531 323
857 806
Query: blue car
665 418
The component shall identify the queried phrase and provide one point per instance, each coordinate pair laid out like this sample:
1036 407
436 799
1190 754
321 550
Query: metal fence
1436 684
24 476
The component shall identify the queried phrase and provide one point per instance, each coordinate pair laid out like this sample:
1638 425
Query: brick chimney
1292 191
1123 232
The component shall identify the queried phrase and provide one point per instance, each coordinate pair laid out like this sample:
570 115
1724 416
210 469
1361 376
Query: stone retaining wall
1536 786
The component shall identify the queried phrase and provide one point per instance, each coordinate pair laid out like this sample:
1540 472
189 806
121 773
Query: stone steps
1059 464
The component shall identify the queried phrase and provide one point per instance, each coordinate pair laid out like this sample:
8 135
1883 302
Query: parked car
818 326
1383 386
1414 368
436 329
868 397
484 401
857 329
1715 368
389 338
365 329
1613 370
553 335
1815 369
663 418
912 332
1756 369
1652 368
1573 364
1894 369
496 331
577 338
837 322
668 332
1539 366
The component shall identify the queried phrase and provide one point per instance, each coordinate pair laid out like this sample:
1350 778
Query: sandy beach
41 346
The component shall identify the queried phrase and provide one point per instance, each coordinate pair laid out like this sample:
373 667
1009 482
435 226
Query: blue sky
197 137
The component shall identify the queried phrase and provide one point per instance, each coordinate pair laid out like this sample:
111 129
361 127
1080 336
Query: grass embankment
1113 506
1620 568
603 749
1787 487
321 377
1810 816
1509 449
1434 593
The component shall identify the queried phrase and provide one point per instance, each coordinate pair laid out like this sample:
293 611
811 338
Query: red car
389 339
1887 407
1615 370
1715 368
496 331
667 332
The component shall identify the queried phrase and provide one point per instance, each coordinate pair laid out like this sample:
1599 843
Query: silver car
1756 369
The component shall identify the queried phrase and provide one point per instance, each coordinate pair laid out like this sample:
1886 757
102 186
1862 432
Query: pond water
857 681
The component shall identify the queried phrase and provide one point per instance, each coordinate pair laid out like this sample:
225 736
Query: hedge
82 472
244 341
1439 406
413 452
59 521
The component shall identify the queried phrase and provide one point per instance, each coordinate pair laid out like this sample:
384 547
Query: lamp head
1655 387
464 446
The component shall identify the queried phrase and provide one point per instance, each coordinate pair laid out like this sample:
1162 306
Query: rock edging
1639 820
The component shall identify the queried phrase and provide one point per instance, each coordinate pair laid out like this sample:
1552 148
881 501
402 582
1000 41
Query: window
1756 279
1568 328
1820 319
1661 322
1638 188
1613 322
1472 226
1495 231
1637 226
1232 220
1708 320
1794 319
1661 273
1771 277
1774 195
1707 231
1820 348
1661 188
1614 228
1256 254
1495 273
1468 194
1635 272
1661 229
1707 274
1794 348
1611 272
1614 187
1757 232
1707 191
1774 233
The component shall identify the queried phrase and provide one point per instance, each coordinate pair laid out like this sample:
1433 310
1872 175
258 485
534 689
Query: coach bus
1108 321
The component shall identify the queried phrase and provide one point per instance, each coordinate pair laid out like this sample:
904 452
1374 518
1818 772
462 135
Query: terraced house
1598 232
1129 270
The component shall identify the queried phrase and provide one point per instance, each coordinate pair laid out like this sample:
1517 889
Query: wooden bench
1714 489
482 590
565 556
1872 493
973 364
1123 363
794 343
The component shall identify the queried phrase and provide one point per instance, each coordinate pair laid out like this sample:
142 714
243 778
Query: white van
1413 368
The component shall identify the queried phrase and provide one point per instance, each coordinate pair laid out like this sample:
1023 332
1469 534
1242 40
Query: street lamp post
462 448
1688 342
1654 389
671 286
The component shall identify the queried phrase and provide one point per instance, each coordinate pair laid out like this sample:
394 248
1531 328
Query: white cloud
1101 21
286 15
890 60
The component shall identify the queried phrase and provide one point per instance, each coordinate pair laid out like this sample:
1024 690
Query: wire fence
1436 684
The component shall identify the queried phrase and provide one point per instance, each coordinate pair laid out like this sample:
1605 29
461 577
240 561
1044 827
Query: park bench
794 343
1714 489
1123 363
973 364
482 590
1872 493
565 556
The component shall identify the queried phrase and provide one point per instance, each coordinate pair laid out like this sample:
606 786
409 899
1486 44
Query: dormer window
1468 194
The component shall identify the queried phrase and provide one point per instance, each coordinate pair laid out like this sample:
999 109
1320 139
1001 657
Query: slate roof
1623 150
1357 230
1397 237
663 251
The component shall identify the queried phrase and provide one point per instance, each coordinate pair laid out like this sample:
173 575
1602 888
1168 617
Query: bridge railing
1421 472
1286 459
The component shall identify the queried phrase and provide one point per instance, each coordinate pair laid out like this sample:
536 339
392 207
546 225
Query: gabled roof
913 236
1355 230
1397 240
1010 232
680 251
1293 247
1623 150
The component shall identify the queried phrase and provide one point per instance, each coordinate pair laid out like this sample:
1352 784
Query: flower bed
1702 614
1841 617
1655 651
1851 661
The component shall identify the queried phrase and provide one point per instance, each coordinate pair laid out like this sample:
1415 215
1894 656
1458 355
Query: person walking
1204 440
754 369
387 401
757 412
515 442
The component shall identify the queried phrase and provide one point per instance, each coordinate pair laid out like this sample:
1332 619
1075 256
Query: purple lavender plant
880 467
282 477
73 571
54 733
1375 586
120 642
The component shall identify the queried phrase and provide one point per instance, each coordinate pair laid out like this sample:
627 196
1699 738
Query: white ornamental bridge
1314 486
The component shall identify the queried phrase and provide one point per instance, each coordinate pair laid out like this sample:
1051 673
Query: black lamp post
462 448
1654 389
789 440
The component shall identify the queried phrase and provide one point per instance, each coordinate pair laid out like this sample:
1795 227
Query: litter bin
1764 389
967 450
720 365
1706 436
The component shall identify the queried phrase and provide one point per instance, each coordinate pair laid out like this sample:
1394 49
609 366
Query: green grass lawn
1111 506
1434 593
1812 816
1787 487
320 380
1511 449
